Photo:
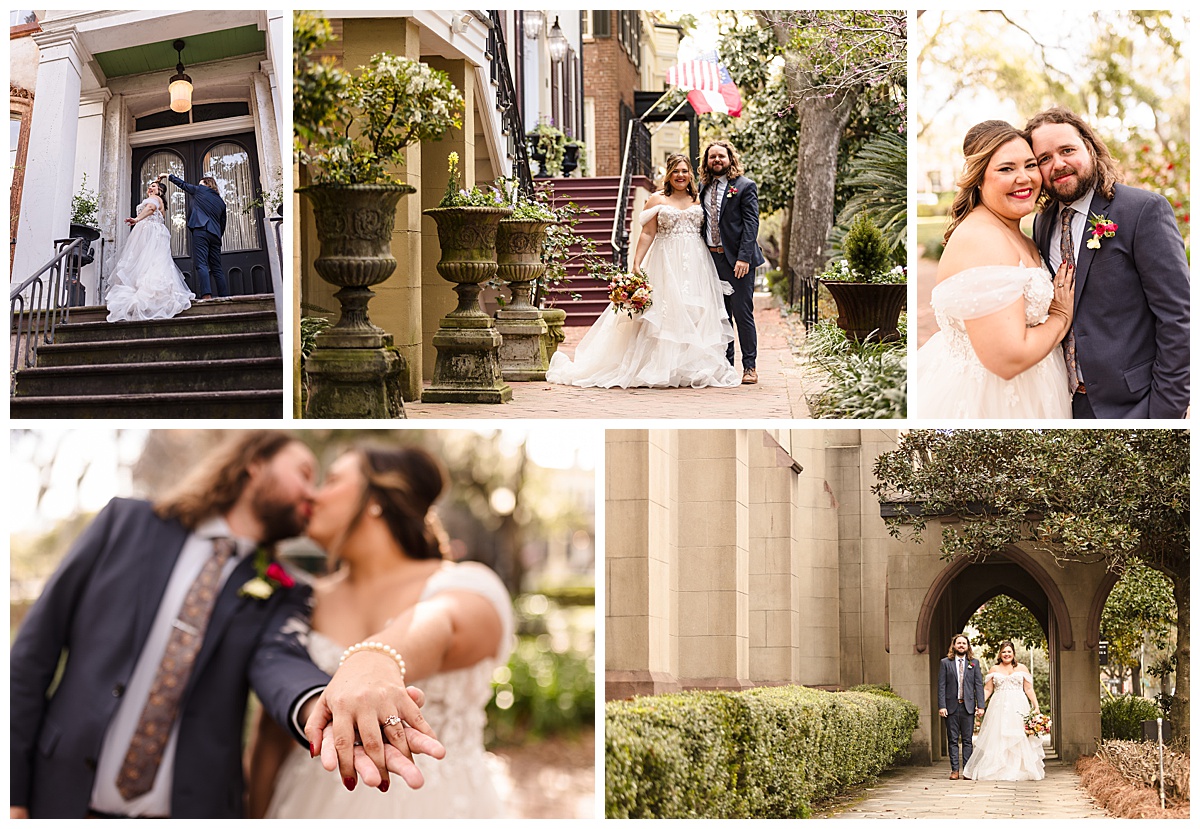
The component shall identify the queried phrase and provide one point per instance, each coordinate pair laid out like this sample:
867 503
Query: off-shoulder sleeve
649 213
977 292
473 577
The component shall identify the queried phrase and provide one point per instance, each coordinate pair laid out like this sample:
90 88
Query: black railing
636 160
808 301
40 303
509 106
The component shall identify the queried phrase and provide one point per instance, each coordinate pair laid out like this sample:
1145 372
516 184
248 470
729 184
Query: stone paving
927 792
779 394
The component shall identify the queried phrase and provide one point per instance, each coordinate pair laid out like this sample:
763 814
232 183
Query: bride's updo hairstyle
979 145
672 162
405 483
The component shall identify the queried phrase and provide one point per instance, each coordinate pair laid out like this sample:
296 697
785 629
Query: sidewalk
779 394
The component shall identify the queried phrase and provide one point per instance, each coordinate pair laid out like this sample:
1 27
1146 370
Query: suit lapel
1085 255
159 552
228 604
1042 224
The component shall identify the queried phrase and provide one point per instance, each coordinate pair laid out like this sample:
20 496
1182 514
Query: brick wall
609 78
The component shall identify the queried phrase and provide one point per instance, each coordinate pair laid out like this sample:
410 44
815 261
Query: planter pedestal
556 320
467 368
523 354
868 311
355 382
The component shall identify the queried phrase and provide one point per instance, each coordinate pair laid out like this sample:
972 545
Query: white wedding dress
1003 751
146 285
458 786
680 340
952 382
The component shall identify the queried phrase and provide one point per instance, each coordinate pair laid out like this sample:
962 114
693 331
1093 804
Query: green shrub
767 752
865 248
1121 717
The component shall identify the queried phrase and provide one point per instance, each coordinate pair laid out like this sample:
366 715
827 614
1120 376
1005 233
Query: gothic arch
1091 639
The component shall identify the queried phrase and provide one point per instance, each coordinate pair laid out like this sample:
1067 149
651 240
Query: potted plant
869 291
85 206
547 146
520 243
351 132
574 156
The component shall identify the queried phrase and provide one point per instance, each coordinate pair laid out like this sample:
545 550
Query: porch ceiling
199 48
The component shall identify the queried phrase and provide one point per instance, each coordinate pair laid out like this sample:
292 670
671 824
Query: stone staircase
215 360
600 194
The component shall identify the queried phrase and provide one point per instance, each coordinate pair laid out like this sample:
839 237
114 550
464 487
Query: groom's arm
183 185
1162 266
941 685
749 211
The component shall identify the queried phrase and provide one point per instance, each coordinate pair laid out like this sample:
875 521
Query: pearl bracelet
375 646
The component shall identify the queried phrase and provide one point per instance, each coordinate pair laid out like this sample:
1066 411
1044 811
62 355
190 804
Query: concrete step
252 403
238 304
197 325
207 376
157 349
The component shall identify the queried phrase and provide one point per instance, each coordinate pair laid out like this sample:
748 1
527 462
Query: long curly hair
979 145
217 481
1108 174
970 653
672 162
735 162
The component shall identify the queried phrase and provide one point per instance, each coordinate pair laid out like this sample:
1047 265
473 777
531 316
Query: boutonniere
731 192
269 576
1102 228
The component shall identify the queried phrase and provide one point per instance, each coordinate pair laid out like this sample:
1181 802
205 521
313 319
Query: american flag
709 85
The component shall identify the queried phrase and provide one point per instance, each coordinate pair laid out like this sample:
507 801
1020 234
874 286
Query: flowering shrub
475 197
840 271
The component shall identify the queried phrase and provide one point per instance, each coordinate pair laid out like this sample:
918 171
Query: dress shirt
721 184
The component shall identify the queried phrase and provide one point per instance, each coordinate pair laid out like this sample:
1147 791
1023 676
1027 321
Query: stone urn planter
523 354
556 321
467 368
868 311
355 371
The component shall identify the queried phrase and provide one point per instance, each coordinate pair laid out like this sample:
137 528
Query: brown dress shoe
749 377
953 775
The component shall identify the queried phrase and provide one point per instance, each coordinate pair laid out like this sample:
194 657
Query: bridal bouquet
1037 724
630 293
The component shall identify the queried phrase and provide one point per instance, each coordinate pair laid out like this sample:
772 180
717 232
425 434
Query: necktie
960 677
187 633
1067 249
714 228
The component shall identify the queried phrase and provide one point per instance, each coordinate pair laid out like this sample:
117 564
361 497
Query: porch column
50 163
116 162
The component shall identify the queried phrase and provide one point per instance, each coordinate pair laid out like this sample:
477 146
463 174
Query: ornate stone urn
467 368
523 354
355 371
868 311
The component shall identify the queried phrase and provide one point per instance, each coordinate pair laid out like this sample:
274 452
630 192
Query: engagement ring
393 720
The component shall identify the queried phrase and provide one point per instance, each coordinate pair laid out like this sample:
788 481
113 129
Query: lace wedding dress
146 285
680 339
1003 751
460 785
952 383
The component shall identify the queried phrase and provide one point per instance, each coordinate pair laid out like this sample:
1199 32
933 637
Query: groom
730 202
1127 351
157 624
206 221
960 699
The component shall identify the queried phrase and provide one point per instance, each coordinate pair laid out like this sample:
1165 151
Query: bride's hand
1063 304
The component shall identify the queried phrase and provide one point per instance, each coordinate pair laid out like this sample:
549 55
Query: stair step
248 302
149 378
156 349
181 326
248 403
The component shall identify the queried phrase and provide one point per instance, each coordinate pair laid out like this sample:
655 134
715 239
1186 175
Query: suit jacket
738 221
1132 310
972 690
208 208
99 607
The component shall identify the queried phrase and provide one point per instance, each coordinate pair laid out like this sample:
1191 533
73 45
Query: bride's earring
375 511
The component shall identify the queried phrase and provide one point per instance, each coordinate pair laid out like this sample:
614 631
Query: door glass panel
229 164
164 161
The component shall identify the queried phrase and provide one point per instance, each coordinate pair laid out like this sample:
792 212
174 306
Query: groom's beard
280 518
1074 187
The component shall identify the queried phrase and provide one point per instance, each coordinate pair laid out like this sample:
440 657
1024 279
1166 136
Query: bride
451 623
680 340
1003 751
146 285
1002 316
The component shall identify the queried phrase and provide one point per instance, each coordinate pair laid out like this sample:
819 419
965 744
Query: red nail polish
383 787
312 750
350 783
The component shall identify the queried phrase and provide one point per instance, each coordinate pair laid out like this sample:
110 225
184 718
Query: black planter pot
88 234
868 311
570 159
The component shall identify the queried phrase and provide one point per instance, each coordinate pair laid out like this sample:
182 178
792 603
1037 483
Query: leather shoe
749 377
953 775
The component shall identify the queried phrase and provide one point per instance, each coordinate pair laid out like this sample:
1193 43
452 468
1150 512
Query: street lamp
557 43
534 21
180 85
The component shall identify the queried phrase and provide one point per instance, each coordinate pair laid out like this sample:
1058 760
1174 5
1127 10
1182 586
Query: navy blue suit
1132 310
738 221
960 716
99 607
206 221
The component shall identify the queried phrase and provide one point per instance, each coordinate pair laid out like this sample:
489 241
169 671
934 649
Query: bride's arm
647 235
146 211
1032 694
987 689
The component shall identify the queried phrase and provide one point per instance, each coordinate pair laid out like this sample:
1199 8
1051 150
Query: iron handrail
633 154
35 316
507 104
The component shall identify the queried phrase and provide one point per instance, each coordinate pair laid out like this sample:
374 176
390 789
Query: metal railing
636 160
39 304
808 301
512 125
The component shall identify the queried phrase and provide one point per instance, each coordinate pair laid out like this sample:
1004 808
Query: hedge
767 752
1121 717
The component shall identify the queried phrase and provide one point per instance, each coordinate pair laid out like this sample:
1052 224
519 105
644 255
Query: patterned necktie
1067 249
714 228
960 677
187 633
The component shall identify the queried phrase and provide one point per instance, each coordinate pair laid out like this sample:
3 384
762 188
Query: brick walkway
927 792
778 395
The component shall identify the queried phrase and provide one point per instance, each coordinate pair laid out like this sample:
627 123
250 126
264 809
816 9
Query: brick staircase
600 194
215 360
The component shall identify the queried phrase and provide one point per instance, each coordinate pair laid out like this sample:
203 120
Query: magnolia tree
1112 497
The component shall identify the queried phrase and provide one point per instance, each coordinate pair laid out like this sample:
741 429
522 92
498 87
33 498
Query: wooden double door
233 161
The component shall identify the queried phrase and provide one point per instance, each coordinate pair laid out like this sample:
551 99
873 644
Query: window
601 23
629 34
21 17
229 164
165 161
14 138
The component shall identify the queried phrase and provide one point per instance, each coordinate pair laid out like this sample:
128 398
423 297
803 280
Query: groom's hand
741 268
942 712
17 813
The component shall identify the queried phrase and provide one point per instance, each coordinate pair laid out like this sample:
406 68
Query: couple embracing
1089 319
698 250
130 675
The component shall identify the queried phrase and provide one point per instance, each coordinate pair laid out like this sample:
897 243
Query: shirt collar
1081 204
218 527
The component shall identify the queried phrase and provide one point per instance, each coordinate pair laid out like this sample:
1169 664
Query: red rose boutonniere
269 576
731 192
1102 228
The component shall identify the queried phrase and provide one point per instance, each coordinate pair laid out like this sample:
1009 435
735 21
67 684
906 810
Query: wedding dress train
146 285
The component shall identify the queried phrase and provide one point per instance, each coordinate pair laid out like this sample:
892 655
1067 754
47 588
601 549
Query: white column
50 163
114 178
279 32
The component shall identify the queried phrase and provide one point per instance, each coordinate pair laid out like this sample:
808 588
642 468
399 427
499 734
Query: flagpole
654 105
667 120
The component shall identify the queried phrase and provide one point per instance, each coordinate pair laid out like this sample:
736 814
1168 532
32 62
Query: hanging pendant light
557 42
534 20
181 84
